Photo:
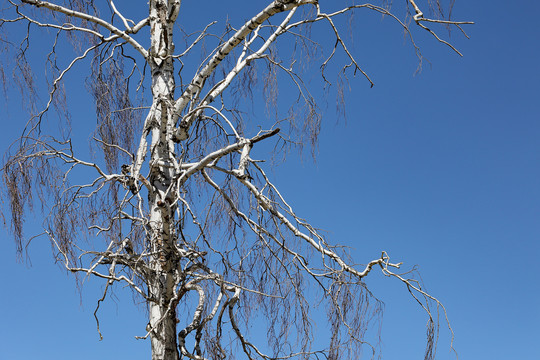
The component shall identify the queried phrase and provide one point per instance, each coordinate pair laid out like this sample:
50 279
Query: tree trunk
162 239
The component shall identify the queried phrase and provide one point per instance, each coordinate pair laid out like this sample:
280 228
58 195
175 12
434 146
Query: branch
218 154
198 81
419 17
94 19
124 20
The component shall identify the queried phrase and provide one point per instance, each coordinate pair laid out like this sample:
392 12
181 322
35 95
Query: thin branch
96 20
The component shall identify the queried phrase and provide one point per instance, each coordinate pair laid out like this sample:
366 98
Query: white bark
162 314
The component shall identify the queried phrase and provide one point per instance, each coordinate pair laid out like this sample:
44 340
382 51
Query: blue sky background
440 169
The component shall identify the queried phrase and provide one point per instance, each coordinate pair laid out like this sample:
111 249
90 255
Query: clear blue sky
440 169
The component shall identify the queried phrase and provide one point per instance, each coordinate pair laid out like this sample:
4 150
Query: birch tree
168 200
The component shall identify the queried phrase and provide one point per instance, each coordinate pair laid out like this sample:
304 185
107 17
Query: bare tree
170 201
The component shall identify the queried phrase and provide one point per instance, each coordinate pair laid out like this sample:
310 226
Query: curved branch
94 19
